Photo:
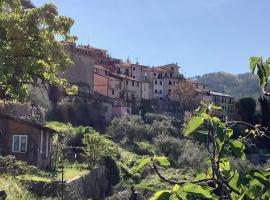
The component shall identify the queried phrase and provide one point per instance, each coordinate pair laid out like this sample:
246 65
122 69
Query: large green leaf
253 62
266 69
224 164
259 175
197 190
161 195
162 161
140 164
238 149
234 182
200 110
193 124
261 76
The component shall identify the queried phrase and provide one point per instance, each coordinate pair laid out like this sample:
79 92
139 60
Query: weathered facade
27 141
225 101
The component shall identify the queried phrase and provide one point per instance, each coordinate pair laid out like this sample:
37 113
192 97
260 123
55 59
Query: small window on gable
19 144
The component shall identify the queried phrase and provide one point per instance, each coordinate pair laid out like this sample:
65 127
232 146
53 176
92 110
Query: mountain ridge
238 85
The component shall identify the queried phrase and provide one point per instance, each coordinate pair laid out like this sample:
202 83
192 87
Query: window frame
20 139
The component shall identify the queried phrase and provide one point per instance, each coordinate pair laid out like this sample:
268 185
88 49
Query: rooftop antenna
137 61
128 60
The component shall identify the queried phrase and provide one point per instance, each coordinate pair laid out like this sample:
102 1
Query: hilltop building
129 88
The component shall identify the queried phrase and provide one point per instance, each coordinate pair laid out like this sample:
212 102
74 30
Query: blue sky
202 36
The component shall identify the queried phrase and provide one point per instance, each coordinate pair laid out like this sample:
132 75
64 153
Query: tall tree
264 105
187 96
30 47
246 109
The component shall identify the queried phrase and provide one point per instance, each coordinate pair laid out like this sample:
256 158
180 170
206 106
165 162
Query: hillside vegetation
239 85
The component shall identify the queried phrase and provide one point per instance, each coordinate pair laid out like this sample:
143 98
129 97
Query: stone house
27 141
107 86
82 72
225 101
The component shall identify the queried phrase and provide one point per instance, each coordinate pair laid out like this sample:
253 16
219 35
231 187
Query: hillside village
131 88
76 123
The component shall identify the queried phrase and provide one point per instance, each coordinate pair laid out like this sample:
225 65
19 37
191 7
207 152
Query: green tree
30 49
246 108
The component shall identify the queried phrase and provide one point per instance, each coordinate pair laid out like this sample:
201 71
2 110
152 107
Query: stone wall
94 185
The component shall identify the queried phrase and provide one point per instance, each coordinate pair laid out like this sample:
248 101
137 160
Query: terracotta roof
155 69
104 76
90 48
100 67
125 77
168 65
127 65
40 126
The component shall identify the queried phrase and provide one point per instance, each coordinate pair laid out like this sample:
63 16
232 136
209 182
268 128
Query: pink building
107 86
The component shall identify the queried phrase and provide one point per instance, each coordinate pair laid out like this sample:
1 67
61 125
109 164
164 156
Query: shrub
131 128
192 156
9 165
113 171
168 146
97 146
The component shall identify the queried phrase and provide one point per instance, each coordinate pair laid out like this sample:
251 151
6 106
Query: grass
72 172
34 178
16 191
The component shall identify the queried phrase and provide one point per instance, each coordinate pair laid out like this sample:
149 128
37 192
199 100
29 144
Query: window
132 83
160 82
120 85
155 82
133 68
155 91
172 68
133 76
171 75
155 74
138 84
112 92
170 91
170 82
127 82
197 86
19 144
160 91
106 108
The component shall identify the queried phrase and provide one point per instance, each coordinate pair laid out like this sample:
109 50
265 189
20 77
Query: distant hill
241 85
